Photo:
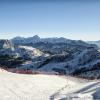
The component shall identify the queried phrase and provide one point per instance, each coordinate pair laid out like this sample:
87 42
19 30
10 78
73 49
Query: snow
29 51
46 87
28 87
27 47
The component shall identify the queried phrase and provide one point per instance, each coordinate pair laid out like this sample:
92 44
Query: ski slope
46 87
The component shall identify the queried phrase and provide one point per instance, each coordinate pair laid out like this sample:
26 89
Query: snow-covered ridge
36 38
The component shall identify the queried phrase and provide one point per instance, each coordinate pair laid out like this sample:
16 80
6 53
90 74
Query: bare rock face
5 44
7 48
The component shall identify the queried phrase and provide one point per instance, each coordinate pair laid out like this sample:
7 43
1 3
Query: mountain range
52 55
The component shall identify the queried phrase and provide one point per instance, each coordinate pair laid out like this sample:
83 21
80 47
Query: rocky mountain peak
5 44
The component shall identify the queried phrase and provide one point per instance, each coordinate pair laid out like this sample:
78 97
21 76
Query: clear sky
73 19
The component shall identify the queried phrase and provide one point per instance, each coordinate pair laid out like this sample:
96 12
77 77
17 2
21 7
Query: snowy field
46 87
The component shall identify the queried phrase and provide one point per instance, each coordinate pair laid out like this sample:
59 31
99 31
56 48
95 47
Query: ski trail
57 93
52 97
84 93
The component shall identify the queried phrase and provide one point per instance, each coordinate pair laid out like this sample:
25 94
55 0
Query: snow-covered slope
29 52
79 63
46 87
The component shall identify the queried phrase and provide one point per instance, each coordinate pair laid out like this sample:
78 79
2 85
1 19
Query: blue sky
74 19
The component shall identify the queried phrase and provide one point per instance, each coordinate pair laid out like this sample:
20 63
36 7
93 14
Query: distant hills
95 42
